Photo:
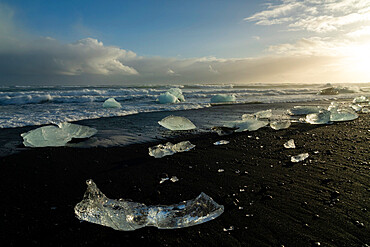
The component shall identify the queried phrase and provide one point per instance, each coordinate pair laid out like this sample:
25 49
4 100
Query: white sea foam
30 105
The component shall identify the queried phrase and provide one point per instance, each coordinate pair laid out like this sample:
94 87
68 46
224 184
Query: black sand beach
268 200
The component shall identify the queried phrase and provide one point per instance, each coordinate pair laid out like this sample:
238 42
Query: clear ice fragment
303 110
360 99
163 180
247 125
176 123
343 115
329 91
56 136
289 144
124 215
223 98
111 103
221 142
280 124
365 110
161 150
323 117
222 130
177 93
258 115
174 179
356 107
299 157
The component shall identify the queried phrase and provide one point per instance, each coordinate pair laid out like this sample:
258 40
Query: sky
183 42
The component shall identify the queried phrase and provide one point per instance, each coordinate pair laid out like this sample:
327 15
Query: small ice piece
280 124
221 170
247 125
289 144
111 103
356 107
176 123
222 98
223 131
221 142
124 215
174 179
258 115
365 110
323 117
360 99
303 110
163 180
56 136
343 115
161 150
329 91
299 157
167 98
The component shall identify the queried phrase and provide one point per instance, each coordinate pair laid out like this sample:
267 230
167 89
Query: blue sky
130 42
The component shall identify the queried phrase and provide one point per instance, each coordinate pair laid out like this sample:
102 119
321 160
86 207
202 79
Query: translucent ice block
360 99
161 150
280 124
247 125
177 93
167 98
111 103
56 136
222 130
303 110
289 144
343 115
260 114
299 157
222 98
323 117
176 123
128 216
221 142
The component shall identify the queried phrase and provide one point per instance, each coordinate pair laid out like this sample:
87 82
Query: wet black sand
268 200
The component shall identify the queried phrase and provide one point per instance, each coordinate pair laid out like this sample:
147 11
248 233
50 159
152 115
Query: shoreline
268 200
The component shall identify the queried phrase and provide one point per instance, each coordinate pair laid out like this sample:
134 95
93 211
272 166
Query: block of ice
365 110
221 142
342 115
289 144
280 124
167 98
161 150
299 157
323 117
124 215
258 115
111 103
303 110
222 130
329 91
176 123
222 98
356 107
177 93
56 136
360 99
251 124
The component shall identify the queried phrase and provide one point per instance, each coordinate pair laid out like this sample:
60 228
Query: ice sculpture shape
289 144
167 98
221 142
56 136
222 98
342 115
124 215
160 150
303 110
251 124
323 117
299 157
360 99
280 124
176 123
111 103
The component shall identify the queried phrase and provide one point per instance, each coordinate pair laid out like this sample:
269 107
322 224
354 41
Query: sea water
37 105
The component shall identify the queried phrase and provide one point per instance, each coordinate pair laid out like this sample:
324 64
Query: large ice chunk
111 103
360 99
160 150
222 98
323 117
343 115
56 136
173 95
176 123
303 110
124 215
280 124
